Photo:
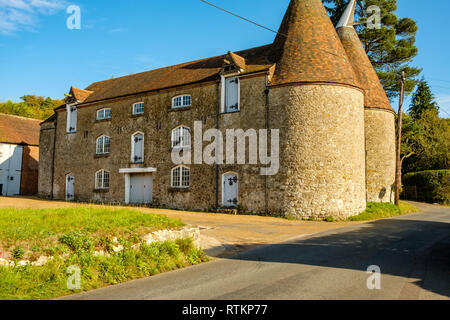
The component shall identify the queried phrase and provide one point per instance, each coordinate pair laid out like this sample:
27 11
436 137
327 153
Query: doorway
70 188
230 190
10 169
141 188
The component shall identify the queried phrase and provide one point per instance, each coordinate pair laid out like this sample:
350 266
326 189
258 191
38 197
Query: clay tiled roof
307 48
80 94
53 117
375 96
207 69
237 60
19 130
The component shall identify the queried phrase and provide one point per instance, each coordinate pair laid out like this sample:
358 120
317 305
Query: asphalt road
413 253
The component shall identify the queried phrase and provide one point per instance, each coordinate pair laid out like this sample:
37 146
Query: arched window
180 177
137 147
181 137
104 114
182 101
102 179
103 145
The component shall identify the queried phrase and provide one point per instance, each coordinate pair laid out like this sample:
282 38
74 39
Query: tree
390 48
413 141
31 107
425 142
422 100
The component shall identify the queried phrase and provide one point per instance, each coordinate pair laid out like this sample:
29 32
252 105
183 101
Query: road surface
413 253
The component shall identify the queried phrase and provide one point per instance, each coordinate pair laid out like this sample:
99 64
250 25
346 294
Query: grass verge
71 236
377 211
38 231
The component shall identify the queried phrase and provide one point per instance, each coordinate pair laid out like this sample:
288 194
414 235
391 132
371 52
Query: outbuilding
19 155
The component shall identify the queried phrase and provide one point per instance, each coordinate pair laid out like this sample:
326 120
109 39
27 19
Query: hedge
429 186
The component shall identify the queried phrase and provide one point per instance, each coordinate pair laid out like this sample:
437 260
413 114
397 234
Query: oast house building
113 141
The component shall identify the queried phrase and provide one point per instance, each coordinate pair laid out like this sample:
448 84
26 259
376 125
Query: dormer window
138 108
103 145
182 102
104 114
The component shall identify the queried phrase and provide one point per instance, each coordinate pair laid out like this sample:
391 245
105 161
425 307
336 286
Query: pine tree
390 48
422 100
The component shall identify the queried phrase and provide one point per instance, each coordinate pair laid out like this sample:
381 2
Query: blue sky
40 55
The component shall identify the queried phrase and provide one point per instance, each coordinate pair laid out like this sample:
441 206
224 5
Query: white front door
230 190
70 188
141 189
10 169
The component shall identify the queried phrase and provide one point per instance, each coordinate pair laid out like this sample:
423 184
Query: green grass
377 211
50 280
34 230
71 236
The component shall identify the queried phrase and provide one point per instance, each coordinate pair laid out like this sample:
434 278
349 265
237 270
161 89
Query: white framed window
102 179
104 114
137 147
138 108
103 145
181 137
180 177
71 119
231 94
182 101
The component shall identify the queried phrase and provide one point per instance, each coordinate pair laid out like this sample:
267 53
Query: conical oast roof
375 96
307 48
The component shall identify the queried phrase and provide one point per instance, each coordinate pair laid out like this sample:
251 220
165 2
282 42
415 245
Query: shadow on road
414 249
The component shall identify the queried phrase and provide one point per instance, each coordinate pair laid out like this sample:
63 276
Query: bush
18 253
77 241
432 186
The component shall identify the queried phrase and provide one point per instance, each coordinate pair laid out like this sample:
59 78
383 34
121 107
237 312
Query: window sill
178 149
137 115
179 190
101 190
230 112
172 109
72 132
102 120
106 155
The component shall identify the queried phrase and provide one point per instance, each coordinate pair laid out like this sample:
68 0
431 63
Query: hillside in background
31 106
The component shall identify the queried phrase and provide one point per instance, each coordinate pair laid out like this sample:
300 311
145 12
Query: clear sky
40 55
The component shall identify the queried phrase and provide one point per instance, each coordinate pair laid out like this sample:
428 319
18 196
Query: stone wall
75 153
380 155
46 140
30 171
322 151
321 143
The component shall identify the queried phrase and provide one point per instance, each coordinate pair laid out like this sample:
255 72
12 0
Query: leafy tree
390 48
422 100
425 142
31 107
413 141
